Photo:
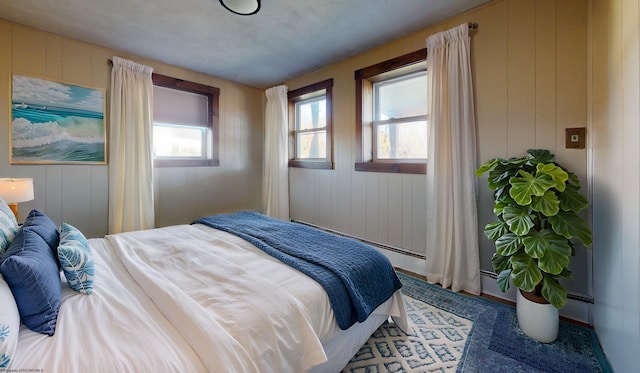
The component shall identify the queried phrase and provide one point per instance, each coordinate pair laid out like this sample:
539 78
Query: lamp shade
16 190
242 7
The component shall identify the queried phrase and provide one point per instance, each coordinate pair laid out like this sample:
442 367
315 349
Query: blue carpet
496 344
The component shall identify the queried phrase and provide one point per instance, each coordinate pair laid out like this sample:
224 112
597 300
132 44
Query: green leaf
502 195
555 293
508 244
540 156
535 243
574 178
548 204
500 263
513 163
495 230
572 200
498 207
557 253
504 280
539 244
573 248
557 174
566 273
525 274
522 188
499 178
569 225
518 219
486 167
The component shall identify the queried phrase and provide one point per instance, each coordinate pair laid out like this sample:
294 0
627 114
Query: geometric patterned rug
452 332
435 343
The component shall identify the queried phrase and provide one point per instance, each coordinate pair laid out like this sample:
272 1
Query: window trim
213 96
302 94
364 132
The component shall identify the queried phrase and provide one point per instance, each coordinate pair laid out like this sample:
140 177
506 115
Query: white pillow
9 325
8 226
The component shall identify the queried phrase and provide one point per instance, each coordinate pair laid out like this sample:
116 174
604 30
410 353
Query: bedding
9 324
356 278
194 298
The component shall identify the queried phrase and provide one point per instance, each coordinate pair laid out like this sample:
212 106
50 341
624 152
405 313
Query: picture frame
53 122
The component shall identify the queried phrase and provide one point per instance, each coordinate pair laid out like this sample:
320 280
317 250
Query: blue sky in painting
30 90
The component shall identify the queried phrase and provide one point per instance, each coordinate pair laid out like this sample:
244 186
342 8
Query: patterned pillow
8 226
9 325
32 273
76 259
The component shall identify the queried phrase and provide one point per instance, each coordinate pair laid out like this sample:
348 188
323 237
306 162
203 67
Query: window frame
302 94
365 77
213 97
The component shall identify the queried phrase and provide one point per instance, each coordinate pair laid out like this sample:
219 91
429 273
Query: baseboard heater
372 243
581 298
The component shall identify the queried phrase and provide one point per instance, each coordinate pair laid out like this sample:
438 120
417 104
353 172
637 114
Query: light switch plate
575 138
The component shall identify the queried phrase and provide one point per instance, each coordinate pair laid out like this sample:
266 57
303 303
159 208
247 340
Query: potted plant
537 203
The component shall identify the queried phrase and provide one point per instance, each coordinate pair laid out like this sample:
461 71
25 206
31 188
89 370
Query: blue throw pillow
76 259
31 271
8 226
45 227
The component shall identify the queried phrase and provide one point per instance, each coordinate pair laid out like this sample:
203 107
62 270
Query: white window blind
173 106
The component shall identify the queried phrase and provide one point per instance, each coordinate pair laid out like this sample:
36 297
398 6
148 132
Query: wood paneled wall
78 194
616 179
529 61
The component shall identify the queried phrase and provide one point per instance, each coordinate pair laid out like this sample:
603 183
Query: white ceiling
287 38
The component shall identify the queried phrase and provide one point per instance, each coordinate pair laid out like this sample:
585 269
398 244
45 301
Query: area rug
453 332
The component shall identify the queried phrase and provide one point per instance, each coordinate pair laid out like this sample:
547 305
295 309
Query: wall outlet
575 138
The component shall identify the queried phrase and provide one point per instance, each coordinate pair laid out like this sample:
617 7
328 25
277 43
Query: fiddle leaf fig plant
537 203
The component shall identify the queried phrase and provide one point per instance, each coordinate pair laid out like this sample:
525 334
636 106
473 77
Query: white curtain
452 229
275 186
131 151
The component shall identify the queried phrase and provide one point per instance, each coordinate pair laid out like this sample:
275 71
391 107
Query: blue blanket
357 277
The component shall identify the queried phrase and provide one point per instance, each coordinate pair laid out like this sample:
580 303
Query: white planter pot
538 321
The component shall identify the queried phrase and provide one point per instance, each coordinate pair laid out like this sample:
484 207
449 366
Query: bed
187 298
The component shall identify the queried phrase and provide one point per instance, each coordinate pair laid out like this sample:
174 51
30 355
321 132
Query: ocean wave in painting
56 122
41 133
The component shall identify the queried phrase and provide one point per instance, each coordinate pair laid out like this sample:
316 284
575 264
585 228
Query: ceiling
286 39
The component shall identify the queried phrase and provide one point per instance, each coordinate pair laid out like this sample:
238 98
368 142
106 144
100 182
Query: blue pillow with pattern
76 259
8 226
9 325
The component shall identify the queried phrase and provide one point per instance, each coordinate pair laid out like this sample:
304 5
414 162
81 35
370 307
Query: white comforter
186 298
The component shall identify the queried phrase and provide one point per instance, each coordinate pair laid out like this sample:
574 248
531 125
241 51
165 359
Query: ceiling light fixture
242 7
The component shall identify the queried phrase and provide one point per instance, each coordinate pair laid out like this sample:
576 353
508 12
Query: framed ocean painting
56 123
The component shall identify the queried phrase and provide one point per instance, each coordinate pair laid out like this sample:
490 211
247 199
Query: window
400 119
185 123
391 115
310 126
